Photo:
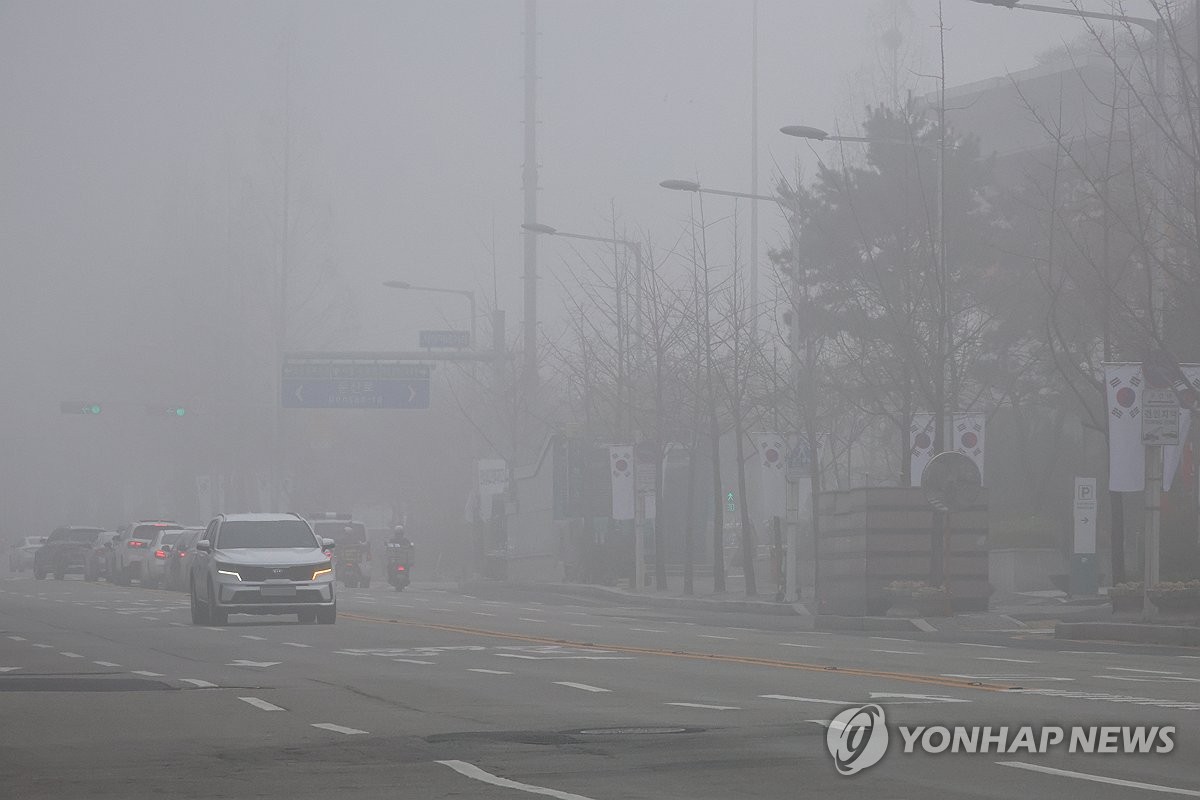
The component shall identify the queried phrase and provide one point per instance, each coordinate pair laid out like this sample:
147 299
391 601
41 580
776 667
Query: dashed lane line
260 704
1010 660
804 699
255 638
43 645
484 613
797 644
1146 671
70 655
296 644
105 664
713 636
647 630
585 625
529 619
586 687
146 673
475 773
1084 776
977 644
329 726
412 661
17 638
199 684
705 705
488 671
899 652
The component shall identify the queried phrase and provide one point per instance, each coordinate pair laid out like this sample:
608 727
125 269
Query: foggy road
433 693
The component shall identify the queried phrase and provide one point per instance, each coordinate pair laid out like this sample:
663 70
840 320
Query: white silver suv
261 564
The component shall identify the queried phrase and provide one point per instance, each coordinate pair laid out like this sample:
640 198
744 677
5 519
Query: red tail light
135 543
182 553
159 554
399 568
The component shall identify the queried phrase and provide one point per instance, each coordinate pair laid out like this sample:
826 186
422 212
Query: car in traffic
65 552
132 547
20 554
154 568
261 564
177 559
100 558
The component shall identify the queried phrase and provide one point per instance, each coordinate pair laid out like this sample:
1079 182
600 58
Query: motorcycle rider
400 551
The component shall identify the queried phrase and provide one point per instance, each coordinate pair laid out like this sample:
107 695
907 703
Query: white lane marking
260 704
888 639
296 644
899 652
517 655
241 662
42 645
150 619
795 644
1011 660
17 638
218 630
585 625
255 638
711 636
71 655
1147 671
1149 679
475 773
902 698
704 705
647 630
1014 678
486 602
1088 653
329 726
1112 698
178 624
977 644
583 686
484 613
828 723
412 661
439 609
199 684
146 673
527 619
1083 776
804 699
534 610
8 669
1180 656
106 663
488 671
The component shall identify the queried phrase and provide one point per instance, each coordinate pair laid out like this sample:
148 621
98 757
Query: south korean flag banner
968 436
1126 455
920 452
771 454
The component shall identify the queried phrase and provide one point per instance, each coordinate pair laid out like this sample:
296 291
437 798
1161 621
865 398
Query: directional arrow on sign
241 662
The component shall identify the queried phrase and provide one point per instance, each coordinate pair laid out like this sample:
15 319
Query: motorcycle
398 563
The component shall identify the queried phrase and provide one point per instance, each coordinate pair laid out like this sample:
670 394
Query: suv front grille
303 572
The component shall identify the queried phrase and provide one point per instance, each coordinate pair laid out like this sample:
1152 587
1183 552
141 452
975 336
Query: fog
143 159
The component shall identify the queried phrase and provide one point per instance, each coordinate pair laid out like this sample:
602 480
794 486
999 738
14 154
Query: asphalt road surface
110 692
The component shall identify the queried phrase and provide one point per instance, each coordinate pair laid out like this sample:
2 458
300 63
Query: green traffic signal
94 409
179 412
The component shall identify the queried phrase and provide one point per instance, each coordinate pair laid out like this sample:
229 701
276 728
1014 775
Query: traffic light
80 407
166 411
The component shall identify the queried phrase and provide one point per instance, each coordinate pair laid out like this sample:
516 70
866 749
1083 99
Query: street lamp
794 344
467 293
945 328
1153 485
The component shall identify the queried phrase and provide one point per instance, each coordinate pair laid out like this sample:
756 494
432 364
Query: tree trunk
689 521
1117 539
748 548
718 530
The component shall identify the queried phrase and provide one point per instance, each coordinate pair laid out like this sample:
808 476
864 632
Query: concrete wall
1024 569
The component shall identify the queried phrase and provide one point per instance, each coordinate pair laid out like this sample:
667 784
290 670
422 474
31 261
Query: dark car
66 550
100 558
177 562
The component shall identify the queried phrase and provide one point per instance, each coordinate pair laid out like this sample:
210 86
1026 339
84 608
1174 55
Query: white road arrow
300 393
241 662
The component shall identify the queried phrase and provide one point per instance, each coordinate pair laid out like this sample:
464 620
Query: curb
1174 635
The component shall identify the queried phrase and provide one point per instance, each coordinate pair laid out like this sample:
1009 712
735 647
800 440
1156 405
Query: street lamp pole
1154 465
791 583
624 403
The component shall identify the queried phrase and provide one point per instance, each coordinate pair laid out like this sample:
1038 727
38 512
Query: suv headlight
323 569
228 569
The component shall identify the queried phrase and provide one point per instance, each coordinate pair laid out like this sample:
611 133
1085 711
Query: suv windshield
170 537
268 533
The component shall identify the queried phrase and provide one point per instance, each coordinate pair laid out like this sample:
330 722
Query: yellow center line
648 651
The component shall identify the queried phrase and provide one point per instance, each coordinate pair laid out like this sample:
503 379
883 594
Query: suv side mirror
204 546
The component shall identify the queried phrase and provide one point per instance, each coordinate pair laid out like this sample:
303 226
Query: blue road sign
350 393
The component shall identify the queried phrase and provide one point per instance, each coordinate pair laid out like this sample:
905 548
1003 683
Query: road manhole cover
633 731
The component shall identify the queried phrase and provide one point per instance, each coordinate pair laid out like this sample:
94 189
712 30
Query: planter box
1176 602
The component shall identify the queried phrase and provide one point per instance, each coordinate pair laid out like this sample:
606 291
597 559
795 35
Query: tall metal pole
529 180
754 176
